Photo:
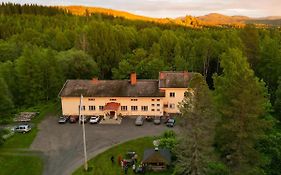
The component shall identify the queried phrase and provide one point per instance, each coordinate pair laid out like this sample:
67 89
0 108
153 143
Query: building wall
70 105
171 102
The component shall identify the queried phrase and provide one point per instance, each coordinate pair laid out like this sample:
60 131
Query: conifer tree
242 101
197 129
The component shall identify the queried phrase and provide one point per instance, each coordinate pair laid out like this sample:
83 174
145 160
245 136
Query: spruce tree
242 101
196 129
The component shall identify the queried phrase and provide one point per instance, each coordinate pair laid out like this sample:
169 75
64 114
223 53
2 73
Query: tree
241 101
277 104
197 129
5 100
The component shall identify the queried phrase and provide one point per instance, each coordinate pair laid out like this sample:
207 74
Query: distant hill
212 19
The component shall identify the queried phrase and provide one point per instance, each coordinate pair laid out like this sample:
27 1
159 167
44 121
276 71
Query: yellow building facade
126 97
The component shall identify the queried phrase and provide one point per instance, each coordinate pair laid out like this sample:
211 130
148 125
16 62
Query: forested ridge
42 47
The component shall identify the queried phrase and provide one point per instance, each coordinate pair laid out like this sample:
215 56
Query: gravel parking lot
62 146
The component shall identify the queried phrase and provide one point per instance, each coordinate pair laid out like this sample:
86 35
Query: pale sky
176 8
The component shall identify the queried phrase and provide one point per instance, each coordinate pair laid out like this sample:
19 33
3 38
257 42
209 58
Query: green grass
14 160
101 164
21 165
20 140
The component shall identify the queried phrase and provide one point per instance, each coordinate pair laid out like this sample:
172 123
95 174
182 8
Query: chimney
133 78
161 75
95 80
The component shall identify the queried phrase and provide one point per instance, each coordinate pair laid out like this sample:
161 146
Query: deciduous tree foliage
241 101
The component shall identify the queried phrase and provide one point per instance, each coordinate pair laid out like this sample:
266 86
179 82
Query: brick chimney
95 80
133 78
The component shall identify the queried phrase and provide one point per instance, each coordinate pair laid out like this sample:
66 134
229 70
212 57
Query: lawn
14 158
20 165
101 164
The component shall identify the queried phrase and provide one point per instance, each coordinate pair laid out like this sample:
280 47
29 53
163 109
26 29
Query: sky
176 8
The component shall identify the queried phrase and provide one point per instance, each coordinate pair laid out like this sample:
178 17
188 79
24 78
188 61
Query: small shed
156 159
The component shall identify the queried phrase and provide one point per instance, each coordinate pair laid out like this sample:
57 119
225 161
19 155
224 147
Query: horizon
174 9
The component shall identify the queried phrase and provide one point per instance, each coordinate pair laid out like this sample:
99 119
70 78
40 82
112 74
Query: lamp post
84 134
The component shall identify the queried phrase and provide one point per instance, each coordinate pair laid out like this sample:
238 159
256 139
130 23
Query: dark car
63 119
157 121
171 122
73 119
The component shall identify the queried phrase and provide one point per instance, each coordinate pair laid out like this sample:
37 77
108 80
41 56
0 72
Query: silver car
139 121
22 128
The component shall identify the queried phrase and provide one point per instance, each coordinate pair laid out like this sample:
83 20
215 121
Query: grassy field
14 159
101 164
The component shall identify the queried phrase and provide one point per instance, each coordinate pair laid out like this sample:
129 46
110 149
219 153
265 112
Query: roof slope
152 156
170 79
111 88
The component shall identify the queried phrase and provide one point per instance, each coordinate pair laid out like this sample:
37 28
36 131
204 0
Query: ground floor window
124 108
134 108
172 105
82 108
144 108
92 108
101 108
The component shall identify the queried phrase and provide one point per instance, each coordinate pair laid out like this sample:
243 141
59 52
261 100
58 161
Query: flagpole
84 134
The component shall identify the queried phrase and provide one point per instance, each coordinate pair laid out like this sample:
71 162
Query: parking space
62 144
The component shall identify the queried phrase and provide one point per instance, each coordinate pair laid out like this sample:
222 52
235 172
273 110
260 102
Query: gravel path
62 146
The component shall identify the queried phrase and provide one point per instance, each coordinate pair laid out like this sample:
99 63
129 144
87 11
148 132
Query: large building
156 97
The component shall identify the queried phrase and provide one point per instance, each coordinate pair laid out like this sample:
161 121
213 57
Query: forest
42 47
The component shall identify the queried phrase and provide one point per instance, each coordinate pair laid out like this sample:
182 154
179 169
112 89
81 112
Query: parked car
73 119
63 119
23 128
157 120
171 122
139 121
94 120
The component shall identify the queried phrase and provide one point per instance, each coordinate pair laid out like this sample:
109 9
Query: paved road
62 146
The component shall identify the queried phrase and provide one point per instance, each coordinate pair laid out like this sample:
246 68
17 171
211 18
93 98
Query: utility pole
84 134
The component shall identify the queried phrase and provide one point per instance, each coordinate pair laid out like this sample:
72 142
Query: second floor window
134 108
172 105
172 94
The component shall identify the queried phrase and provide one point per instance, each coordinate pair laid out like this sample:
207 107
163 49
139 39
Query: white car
94 120
22 128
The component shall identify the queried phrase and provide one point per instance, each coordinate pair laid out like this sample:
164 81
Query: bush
216 168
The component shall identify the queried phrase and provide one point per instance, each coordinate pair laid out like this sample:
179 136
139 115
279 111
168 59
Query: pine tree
241 101
197 129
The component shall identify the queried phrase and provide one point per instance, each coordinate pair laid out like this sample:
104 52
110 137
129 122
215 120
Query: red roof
112 106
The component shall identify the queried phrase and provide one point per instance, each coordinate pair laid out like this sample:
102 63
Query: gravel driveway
62 146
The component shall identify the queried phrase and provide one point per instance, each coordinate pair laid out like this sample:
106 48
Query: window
91 99
158 109
172 94
92 108
158 104
101 108
82 108
166 106
152 109
124 108
134 99
144 108
152 104
112 99
172 105
152 99
134 108
158 99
